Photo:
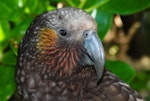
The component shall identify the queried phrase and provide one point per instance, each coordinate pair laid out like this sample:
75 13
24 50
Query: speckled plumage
53 67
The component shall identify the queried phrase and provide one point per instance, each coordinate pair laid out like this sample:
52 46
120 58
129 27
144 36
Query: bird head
62 42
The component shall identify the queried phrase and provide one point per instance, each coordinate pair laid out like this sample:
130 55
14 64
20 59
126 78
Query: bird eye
63 32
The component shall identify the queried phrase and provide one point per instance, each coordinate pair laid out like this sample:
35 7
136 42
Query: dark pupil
63 32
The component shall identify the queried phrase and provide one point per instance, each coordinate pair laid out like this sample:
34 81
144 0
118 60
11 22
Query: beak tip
99 73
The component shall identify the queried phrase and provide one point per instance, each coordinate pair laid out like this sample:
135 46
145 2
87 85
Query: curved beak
95 52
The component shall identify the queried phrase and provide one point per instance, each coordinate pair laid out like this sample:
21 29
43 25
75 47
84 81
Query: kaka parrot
61 58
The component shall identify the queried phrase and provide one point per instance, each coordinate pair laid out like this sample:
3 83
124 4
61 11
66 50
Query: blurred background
123 26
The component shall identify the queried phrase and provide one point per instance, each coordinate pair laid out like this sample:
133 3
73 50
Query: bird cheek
46 38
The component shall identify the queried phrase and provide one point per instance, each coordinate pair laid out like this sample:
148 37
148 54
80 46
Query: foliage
16 15
125 71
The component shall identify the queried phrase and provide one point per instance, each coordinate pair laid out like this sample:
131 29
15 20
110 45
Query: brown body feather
80 87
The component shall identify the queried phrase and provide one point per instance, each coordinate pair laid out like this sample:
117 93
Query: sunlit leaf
4 30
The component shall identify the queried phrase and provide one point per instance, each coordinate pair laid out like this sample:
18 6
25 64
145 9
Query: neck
61 61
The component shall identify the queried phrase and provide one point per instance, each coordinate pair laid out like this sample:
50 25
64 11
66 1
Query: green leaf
36 7
104 21
73 3
124 71
7 7
5 10
4 30
91 5
125 7
7 82
13 4
88 5
9 58
141 81
20 29
17 15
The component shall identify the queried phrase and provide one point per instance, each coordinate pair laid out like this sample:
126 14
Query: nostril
86 34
